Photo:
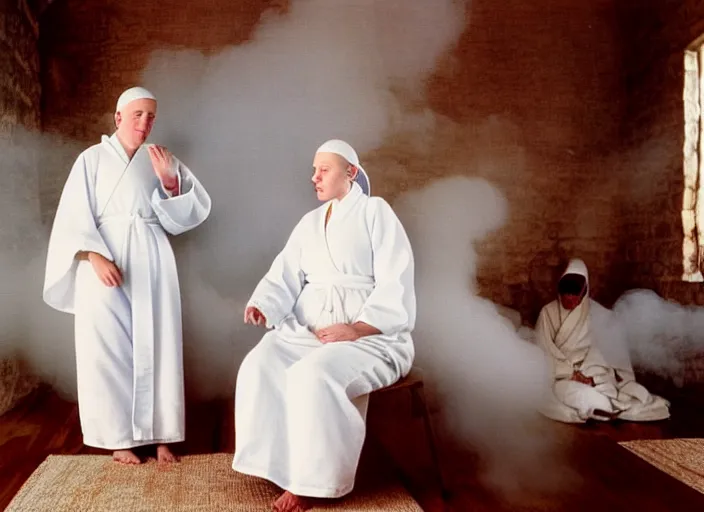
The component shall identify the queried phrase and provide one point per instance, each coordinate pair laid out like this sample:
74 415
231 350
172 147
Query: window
693 166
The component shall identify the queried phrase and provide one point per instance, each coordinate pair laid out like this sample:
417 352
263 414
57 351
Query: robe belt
332 284
139 281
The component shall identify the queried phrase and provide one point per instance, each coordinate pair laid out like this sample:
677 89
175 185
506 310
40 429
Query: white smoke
488 382
28 330
248 120
660 334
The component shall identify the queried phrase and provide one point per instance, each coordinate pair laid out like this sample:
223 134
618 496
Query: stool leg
420 408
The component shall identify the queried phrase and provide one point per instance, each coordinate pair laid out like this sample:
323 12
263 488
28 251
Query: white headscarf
134 93
573 334
340 147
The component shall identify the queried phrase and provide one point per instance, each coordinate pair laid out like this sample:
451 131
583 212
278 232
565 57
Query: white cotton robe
128 338
570 340
300 405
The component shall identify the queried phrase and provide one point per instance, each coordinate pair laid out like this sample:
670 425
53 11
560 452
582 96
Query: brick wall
650 180
537 88
19 108
19 67
651 175
656 35
546 75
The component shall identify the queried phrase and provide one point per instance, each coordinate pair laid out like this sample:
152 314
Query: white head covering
340 147
134 93
577 266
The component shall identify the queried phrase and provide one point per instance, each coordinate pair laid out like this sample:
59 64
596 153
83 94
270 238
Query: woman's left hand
337 332
163 163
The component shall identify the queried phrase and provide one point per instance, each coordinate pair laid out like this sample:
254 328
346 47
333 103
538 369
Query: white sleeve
544 335
278 290
185 211
391 306
74 230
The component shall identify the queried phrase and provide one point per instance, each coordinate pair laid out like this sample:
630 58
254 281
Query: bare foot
164 455
288 502
125 457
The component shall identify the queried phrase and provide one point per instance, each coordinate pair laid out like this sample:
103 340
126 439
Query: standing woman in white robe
340 298
592 376
110 264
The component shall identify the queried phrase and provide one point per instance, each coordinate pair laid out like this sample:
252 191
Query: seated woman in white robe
592 376
110 264
341 301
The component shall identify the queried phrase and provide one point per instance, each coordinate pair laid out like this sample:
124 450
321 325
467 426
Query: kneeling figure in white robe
592 378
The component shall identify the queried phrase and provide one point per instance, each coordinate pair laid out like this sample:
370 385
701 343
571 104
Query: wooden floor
589 472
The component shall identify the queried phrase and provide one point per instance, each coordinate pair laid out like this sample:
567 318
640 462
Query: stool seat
412 380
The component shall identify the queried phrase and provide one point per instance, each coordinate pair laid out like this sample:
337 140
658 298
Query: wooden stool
413 383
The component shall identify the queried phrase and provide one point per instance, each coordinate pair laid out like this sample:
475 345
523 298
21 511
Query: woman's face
572 289
135 121
332 176
569 301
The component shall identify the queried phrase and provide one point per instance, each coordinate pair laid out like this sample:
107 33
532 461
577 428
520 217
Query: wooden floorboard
593 473
41 425
590 471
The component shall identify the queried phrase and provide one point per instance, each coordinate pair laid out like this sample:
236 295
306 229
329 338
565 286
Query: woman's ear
352 172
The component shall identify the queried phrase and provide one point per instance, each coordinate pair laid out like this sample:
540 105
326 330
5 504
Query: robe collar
341 206
116 145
